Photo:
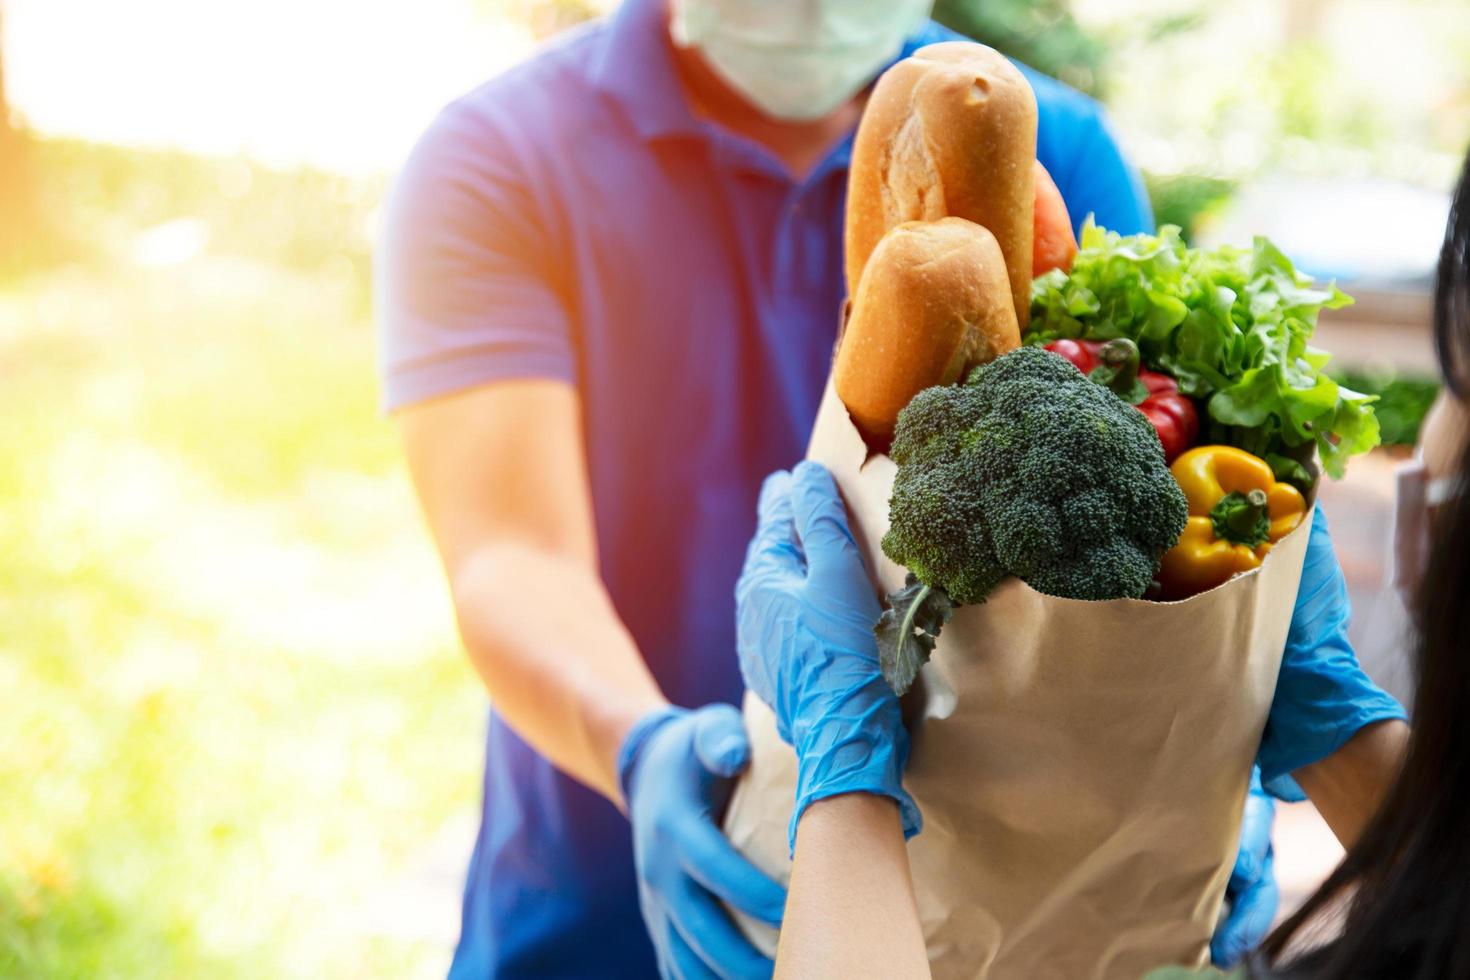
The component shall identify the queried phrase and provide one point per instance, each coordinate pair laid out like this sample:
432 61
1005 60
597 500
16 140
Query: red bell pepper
1115 364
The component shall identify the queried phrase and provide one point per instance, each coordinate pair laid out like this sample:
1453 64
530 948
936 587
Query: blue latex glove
1323 697
1252 896
675 767
805 611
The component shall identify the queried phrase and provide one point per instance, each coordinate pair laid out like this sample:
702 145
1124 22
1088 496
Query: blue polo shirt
572 219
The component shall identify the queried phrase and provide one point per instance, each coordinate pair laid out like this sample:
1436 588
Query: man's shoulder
499 132
1054 98
550 83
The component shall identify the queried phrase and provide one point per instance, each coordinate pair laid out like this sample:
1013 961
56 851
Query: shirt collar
636 69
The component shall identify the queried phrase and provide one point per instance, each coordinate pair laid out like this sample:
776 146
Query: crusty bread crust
934 300
950 130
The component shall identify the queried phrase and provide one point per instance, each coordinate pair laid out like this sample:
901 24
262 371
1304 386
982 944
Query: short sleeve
465 284
1092 173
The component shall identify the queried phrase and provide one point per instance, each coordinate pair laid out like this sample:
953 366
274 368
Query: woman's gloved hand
676 768
1323 697
1252 895
805 611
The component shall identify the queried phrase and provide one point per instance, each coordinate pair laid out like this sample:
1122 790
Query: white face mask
797 59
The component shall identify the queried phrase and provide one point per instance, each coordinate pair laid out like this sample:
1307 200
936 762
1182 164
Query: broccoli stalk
908 629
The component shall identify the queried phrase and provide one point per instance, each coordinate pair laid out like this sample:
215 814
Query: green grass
236 721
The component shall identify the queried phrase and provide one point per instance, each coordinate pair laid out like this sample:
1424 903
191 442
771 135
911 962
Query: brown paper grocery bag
1081 766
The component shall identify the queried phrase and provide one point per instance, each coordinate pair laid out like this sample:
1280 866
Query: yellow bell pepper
1237 511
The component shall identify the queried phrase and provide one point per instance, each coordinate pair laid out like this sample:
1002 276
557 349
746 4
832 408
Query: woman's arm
805 610
1348 786
851 909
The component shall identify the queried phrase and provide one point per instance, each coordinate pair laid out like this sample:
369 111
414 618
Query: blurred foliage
1039 33
1403 401
235 714
91 200
1301 84
1047 36
1298 79
1187 200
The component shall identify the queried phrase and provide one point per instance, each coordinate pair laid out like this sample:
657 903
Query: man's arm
1348 786
501 474
479 360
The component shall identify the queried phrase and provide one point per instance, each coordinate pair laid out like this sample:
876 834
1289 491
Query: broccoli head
1030 469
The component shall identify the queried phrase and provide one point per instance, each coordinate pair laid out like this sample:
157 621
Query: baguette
950 130
934 301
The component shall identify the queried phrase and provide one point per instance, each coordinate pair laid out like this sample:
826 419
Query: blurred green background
234 715
238 738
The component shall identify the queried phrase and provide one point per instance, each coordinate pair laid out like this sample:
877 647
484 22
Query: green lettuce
1232 325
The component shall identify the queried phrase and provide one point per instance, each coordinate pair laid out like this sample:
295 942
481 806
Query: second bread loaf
934 301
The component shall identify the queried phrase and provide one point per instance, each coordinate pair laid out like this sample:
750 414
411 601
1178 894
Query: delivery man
609 287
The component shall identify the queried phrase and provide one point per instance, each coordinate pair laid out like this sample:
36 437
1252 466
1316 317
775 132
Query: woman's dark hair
1402 894
1452 294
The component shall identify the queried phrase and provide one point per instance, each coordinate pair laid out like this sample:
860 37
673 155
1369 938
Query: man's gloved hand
805 611
676 768
1323 697
1251 896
